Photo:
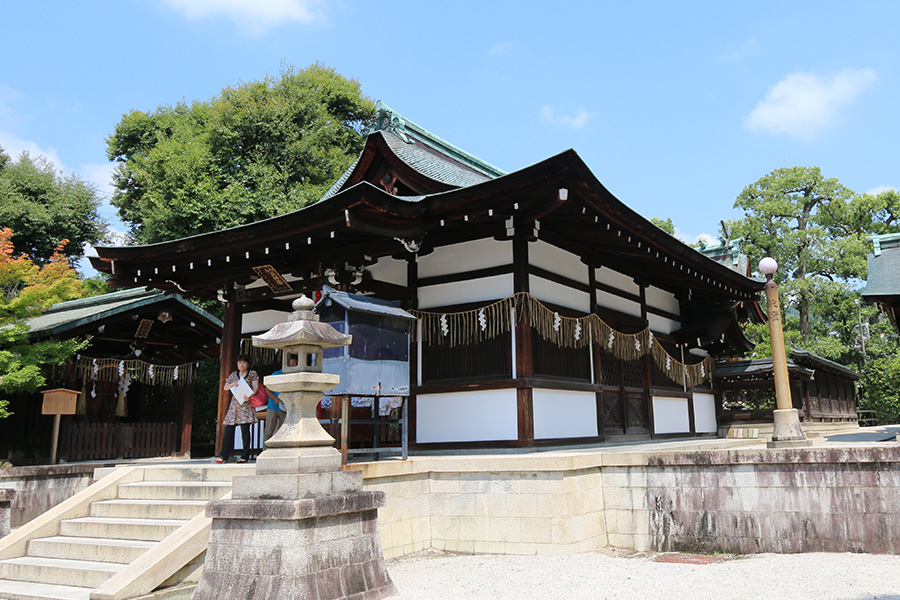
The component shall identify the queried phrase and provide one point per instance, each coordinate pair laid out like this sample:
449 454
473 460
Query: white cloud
13 145
100 174
802 104
691 239
881 188
500 48
253 17
576 121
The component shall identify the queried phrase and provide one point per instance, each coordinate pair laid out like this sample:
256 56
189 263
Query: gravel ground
611 574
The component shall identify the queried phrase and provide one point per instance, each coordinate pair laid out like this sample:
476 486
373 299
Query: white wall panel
466 256
670 415
460 292
549 257
550 291
617 280
467 416
663 300
662 324
618 303
390 270
705 413
263 320
564 414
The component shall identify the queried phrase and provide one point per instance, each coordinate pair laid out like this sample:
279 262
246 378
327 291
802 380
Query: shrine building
547 311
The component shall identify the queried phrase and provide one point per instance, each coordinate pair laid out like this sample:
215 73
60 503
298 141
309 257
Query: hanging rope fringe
260 356
112 369
471 326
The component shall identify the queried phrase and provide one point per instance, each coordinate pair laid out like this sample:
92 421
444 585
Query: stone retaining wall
735 501
785 501
38 489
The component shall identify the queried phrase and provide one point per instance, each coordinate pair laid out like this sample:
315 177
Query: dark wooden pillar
230 348
524 357
187 416
646 367
412 285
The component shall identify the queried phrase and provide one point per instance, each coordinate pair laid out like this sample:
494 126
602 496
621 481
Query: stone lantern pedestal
300 528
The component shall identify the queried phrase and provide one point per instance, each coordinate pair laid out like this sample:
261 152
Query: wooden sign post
58 402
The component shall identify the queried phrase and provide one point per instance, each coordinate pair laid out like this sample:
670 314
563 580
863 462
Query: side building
548 312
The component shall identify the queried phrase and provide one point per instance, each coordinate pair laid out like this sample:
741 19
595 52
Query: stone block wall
38 489
784 501
735 501
538 506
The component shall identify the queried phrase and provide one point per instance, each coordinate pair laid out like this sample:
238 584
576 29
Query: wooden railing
103 441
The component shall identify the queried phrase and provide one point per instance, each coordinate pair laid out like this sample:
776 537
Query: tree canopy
816 229
26 289
43 208
255 151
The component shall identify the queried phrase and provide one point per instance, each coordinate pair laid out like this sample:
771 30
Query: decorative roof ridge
884 241
389 120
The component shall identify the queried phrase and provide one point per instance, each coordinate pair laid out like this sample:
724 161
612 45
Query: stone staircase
109 531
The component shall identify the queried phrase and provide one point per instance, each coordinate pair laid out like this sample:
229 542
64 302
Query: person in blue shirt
275 410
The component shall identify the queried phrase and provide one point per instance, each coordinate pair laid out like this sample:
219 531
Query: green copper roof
388 120
65 316
884 266
425 152
727 253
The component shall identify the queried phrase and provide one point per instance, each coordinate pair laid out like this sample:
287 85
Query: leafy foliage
256 151
26 289
665 224
45 208
816 229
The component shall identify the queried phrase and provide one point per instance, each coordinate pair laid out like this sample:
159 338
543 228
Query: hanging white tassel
445 328
482 320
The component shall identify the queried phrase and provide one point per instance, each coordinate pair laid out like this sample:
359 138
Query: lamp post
787 432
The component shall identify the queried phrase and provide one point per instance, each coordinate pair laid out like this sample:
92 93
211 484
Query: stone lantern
300 527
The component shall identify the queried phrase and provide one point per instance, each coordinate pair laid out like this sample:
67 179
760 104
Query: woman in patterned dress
240 411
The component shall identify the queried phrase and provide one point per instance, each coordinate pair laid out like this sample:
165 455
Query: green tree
25 290
815 228
665 224
43 208
256 151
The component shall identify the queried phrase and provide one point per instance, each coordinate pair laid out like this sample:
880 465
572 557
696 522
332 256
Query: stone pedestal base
317 548
787 432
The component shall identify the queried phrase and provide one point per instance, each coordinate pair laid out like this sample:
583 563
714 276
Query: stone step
174 490
148 509
58 571
210 472
120 529
97 549
25 590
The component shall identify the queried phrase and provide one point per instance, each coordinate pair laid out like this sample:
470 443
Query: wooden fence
99 441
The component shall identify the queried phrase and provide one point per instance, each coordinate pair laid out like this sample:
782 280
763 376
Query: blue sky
675 106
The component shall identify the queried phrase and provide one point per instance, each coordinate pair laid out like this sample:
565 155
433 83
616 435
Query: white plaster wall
549 257
618 303
390 270
705 413
564 414
550 291
618 280
467 416
662 324
663 300
467 256
459 292
263 320
670 415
